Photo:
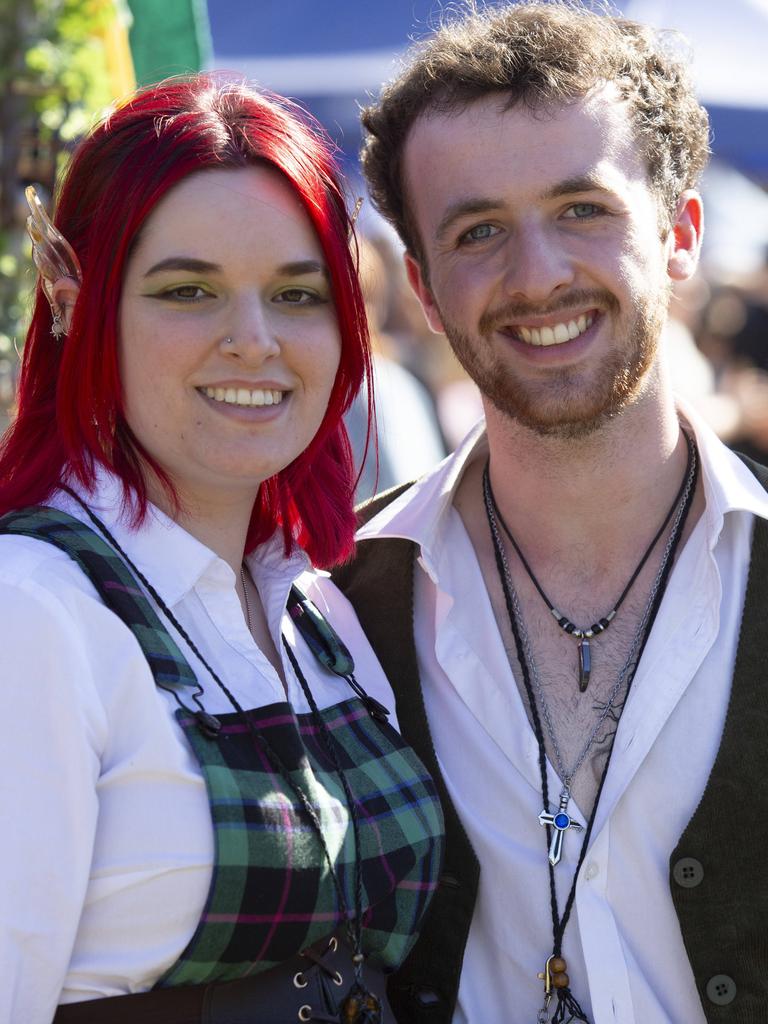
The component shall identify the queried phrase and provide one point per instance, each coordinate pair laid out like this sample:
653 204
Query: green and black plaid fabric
114 582
272 893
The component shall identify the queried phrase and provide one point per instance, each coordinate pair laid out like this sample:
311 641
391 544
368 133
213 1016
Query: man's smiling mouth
555 334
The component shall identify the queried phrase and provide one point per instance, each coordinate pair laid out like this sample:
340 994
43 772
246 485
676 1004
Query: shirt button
688 872
721 990
592 871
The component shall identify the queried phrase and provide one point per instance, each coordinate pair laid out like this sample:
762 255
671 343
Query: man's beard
562 401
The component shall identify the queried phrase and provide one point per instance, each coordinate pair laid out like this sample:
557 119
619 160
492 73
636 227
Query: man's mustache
574 301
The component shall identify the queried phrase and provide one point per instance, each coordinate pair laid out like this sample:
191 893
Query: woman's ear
64 294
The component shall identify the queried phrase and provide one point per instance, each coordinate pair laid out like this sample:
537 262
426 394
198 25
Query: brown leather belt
305 988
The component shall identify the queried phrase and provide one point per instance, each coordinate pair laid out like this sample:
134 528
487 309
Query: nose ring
227 341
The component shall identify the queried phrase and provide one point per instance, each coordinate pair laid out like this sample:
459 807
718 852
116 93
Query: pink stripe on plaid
114 585
308 729
259 723
335 723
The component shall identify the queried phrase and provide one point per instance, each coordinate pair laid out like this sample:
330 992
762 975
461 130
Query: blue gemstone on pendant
562 821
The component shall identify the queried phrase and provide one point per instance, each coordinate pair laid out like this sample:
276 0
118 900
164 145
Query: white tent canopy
729 43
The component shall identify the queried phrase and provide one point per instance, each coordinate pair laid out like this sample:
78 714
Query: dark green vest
719 870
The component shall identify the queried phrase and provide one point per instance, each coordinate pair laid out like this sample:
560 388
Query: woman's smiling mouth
244 396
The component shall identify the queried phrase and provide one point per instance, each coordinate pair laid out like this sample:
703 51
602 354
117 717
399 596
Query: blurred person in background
572 606
692 374
408 437
210 815
733 331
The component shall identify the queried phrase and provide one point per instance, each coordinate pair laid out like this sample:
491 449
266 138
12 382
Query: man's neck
589 502
584 514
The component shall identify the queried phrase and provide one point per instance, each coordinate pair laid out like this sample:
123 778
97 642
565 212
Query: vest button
721 990
427 998
688 872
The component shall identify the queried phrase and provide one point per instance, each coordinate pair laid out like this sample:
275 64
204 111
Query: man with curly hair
570 606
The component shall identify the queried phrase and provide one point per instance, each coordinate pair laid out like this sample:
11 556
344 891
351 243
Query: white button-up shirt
107 846
625 954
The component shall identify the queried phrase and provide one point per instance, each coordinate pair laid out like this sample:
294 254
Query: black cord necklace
554 976
584 635
359 1006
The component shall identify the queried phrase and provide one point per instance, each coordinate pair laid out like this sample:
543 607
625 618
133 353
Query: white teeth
561 334
557 335
244 396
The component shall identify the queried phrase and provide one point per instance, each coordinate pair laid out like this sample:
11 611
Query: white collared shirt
107 840
625 954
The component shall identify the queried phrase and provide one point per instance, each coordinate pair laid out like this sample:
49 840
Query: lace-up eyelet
305 1013
299 980
337 978
333 944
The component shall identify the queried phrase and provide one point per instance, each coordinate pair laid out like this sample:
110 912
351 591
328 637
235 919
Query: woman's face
228 341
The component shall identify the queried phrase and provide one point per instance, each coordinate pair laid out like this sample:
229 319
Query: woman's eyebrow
183 263
296 268
300 267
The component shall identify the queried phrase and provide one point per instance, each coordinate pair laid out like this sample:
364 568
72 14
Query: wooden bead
557 965
560 980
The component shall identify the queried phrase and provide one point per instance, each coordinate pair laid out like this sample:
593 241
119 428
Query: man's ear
684 240
423 293
64 293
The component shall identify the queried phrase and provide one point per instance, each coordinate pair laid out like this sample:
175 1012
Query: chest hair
555 655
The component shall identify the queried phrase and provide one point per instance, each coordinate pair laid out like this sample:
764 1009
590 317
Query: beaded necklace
587 633
554 975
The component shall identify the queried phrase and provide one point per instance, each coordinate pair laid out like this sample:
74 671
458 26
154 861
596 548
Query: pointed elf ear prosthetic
55 259
355 214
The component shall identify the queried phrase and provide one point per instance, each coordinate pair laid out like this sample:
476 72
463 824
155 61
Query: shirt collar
729 485
174 561
419 514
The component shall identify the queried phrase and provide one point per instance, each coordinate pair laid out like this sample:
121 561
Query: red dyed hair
70 408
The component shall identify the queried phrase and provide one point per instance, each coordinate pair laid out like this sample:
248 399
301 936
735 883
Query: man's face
547 268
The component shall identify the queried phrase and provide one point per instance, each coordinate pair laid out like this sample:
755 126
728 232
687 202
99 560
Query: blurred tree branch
53 81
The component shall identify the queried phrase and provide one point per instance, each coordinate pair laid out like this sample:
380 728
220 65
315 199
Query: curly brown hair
543 55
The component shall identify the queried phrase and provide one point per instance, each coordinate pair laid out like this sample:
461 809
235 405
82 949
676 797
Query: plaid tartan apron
271 892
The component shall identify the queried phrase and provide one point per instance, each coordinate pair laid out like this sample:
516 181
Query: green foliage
70 65
54 82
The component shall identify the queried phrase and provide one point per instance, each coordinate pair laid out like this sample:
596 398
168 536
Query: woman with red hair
214 819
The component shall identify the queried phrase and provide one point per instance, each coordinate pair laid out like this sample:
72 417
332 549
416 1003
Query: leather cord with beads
568 1008
584 635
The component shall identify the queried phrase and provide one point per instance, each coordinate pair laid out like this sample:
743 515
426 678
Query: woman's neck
220 522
